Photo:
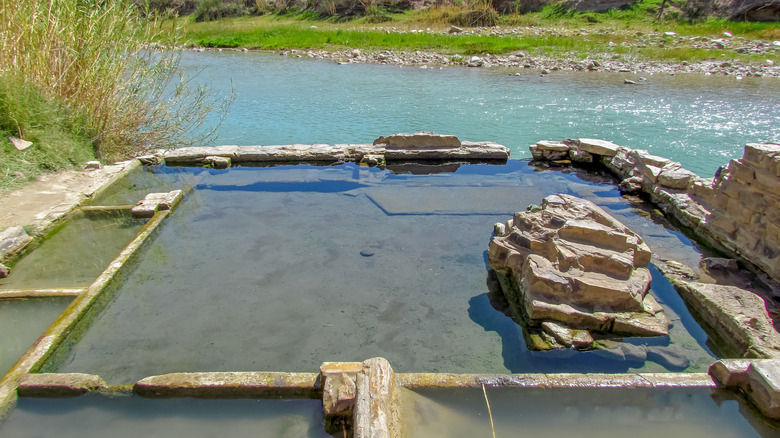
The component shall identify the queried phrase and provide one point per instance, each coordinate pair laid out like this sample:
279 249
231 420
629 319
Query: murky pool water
581 412
283 268
76 254
119 417
22 322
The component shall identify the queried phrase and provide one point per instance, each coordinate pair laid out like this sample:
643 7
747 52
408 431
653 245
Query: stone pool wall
738 211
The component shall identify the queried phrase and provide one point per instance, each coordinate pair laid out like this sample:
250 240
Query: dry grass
93 57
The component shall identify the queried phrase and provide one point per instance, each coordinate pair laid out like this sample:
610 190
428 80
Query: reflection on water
22 322
581 412
700 121
76 254
131 417
283 268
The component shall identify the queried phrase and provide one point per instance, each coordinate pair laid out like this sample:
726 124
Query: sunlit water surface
702 121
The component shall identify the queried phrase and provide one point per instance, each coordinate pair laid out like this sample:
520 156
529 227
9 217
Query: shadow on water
286 187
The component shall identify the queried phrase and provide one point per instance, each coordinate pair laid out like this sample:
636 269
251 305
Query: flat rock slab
53 195
59 385
230 384
738 318
154 202
399 147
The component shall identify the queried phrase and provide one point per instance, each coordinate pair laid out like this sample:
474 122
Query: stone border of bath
61 199
75 315
40 293
358 396
416 147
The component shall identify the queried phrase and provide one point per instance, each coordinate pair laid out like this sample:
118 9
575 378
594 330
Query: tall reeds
94 57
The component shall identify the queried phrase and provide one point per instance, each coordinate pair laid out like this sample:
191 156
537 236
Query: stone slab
230 384
53 195
598 147
59 385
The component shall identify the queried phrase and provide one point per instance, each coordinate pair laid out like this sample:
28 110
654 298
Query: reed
93 57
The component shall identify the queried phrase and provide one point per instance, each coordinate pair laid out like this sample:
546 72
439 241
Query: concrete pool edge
59 332
40 209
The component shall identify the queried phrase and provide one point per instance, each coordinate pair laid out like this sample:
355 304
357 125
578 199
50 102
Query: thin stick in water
489 411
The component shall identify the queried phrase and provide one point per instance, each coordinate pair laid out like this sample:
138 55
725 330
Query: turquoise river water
702 121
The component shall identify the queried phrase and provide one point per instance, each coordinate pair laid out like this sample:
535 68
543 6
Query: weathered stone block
643 157
338 387
730 373
651 173
675 178
59 385
598 147
744 174
736 318
154 202
419 140
764 378
549 150
375 411
218 162
761 155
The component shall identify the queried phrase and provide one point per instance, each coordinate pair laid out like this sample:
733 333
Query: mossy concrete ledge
74 315
420 146
59 385
562 380
39 293
230 385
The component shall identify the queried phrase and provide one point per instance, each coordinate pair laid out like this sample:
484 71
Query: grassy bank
601 32
80 82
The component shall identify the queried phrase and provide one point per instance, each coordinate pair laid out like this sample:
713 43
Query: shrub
693 10
210 10
479 13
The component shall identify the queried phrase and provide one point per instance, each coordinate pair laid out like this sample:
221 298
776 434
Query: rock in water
572 264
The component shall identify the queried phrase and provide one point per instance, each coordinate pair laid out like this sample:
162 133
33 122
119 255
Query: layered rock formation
571 270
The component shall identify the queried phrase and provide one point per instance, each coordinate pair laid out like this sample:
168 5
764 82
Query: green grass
59 139
284 33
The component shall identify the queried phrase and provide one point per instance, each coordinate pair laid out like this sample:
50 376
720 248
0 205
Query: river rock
572 264
12 239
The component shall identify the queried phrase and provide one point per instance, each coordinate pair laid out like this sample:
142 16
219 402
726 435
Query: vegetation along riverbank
78 82
634 36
